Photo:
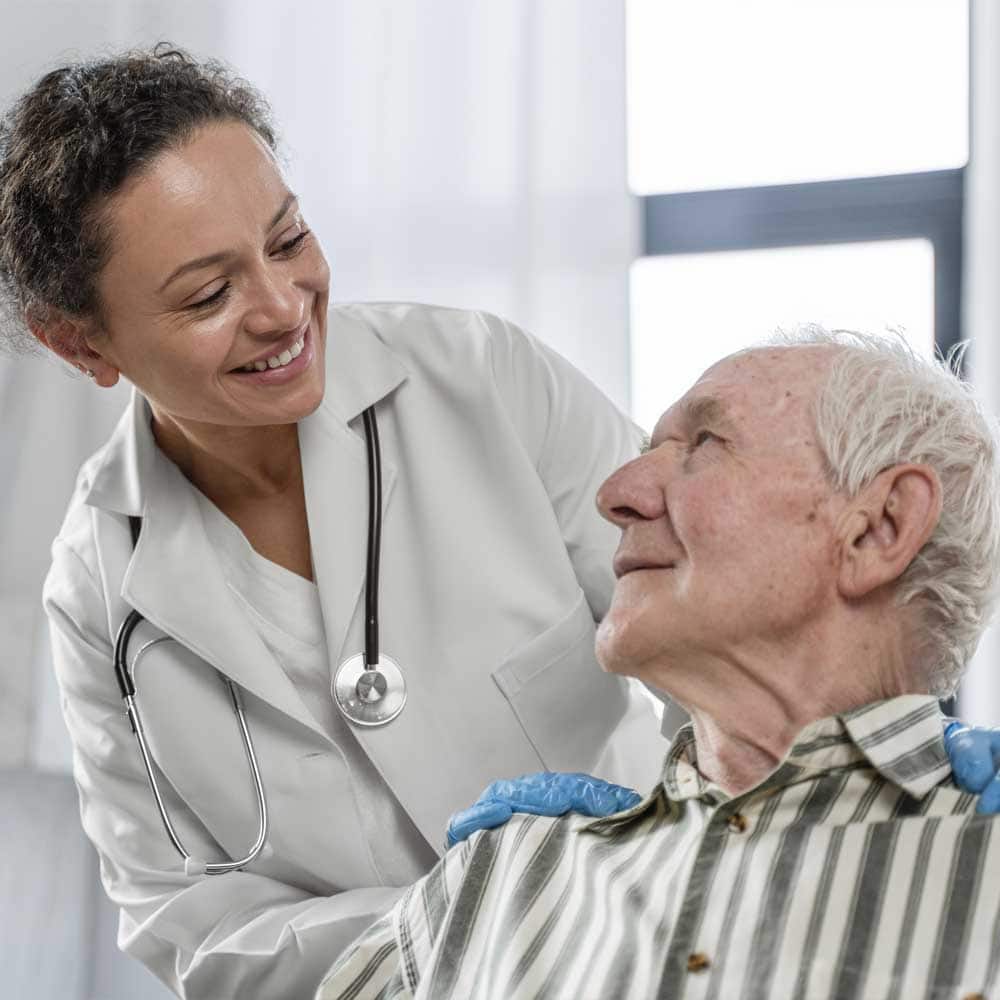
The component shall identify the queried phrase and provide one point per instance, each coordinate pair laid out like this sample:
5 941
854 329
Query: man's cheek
710 518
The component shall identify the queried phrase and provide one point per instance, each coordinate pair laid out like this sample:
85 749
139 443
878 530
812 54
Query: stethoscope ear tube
192 866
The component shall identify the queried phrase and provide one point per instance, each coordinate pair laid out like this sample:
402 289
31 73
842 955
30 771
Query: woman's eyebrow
285 206
218 258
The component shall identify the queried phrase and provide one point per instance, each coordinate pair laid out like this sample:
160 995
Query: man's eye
702 437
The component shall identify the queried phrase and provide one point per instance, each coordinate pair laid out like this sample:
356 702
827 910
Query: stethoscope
369 689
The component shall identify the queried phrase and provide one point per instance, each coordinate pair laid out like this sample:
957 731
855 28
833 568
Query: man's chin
616 649
625 644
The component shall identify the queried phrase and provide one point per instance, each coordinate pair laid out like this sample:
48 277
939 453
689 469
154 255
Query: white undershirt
285 610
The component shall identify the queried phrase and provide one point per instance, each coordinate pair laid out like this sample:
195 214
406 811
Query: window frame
927 205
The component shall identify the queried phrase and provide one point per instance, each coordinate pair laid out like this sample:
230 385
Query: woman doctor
146 231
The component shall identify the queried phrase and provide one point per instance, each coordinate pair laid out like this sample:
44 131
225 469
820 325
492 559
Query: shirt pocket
566 704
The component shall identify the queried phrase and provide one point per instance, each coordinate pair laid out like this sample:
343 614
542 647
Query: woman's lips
282 345
284 373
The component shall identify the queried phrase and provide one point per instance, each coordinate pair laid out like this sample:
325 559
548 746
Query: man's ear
886 526
71 340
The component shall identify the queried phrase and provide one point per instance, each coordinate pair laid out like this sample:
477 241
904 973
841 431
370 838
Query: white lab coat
495 566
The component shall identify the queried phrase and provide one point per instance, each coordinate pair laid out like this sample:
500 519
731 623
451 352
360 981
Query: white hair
883 404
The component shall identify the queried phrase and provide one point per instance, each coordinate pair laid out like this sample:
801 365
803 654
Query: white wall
468 152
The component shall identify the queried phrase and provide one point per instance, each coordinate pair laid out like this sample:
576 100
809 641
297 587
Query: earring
87 371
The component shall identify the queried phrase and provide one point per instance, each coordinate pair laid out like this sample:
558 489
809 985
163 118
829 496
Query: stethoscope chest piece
370 696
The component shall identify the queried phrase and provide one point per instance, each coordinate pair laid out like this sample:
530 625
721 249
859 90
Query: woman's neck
232 464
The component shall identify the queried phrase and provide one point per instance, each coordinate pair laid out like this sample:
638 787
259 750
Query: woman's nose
631 493
277 304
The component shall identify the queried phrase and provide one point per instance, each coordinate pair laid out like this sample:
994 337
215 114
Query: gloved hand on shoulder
548 793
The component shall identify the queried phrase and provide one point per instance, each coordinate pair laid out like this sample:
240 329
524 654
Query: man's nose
632 493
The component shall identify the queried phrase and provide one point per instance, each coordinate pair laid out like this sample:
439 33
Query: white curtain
980 695
466 152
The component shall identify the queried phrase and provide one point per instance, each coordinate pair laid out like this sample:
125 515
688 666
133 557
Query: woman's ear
886 526
71 338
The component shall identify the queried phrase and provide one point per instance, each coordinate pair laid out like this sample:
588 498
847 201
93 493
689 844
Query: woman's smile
285 362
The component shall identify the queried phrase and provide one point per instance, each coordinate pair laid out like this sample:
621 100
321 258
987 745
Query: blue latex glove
548 793
975 759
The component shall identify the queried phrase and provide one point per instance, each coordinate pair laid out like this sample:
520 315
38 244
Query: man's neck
748 709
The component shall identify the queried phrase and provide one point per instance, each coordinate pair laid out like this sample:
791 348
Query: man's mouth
630 564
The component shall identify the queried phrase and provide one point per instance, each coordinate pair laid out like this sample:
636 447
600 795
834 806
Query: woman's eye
290 247
213 299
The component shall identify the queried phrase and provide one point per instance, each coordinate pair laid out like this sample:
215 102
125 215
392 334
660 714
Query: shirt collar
901 738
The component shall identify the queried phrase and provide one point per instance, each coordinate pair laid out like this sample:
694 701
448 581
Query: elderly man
809 554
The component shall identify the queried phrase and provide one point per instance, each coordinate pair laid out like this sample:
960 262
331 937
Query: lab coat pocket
566 704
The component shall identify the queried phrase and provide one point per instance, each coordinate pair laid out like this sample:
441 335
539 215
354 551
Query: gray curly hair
884 404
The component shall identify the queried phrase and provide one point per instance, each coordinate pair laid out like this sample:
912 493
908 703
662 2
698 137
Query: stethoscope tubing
374 538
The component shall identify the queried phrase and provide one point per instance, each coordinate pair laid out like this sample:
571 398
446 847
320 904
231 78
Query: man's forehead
756 364
761 385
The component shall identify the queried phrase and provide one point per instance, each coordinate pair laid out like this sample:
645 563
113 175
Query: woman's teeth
278 360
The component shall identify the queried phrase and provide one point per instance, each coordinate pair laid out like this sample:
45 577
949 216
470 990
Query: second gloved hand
548 793
975 756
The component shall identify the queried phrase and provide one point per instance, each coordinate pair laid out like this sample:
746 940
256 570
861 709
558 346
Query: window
891 284
798 160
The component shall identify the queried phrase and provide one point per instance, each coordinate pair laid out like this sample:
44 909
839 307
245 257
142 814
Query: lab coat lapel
361 371
173 577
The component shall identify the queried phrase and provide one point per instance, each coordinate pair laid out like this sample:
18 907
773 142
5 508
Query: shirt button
737 823
698 961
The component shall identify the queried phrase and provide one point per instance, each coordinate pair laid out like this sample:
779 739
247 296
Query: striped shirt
856 869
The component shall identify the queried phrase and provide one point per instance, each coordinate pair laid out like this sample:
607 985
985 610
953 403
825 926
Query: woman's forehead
221 160
192 198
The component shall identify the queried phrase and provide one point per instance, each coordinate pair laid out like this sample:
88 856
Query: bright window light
690 310
736 94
